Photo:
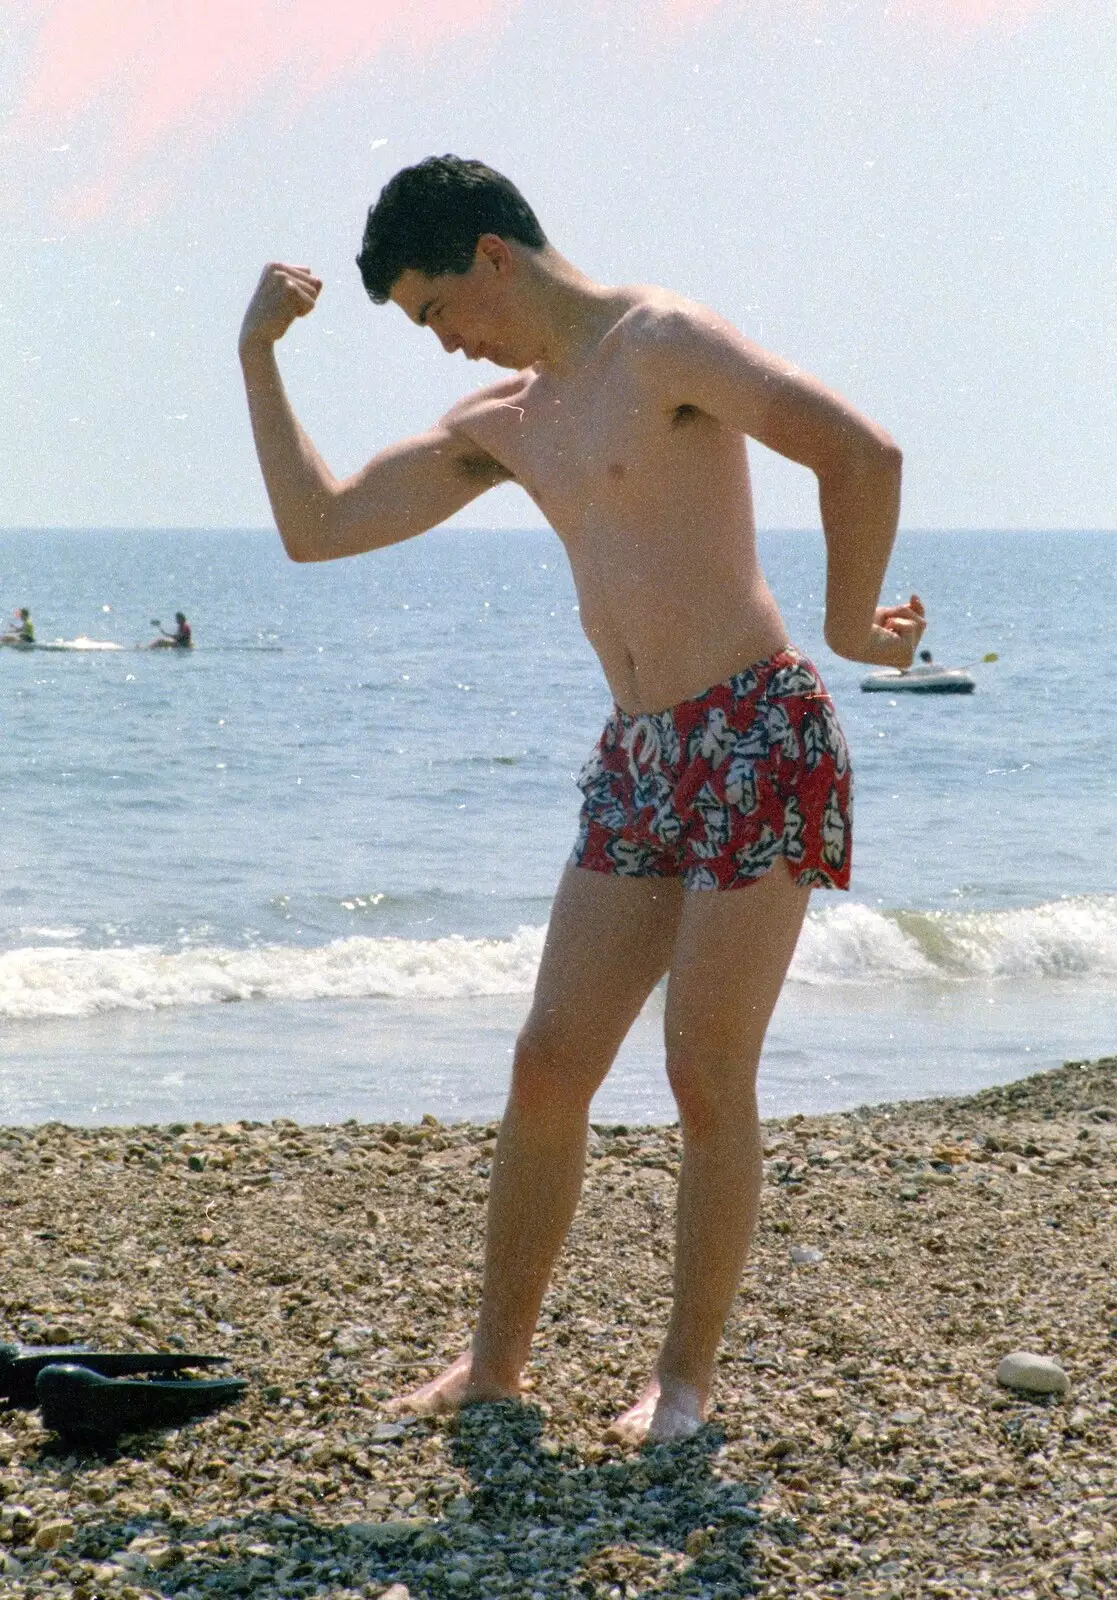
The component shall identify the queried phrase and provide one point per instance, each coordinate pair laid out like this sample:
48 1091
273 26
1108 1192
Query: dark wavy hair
430 217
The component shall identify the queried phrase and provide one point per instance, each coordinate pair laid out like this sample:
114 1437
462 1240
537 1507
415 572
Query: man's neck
568 313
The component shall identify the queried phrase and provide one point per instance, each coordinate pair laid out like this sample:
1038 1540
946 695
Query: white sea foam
79 983
842 944
850 943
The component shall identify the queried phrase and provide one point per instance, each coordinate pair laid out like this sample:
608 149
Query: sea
305 870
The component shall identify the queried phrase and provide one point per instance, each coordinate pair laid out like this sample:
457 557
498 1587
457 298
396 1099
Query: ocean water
306 870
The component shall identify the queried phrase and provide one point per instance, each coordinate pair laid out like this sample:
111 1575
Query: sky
914 199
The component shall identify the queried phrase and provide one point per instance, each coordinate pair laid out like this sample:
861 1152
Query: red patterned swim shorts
716 789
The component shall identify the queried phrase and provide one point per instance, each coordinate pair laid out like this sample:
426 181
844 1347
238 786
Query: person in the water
181 639
24 634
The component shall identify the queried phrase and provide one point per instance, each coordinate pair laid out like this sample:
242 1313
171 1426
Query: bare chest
581 448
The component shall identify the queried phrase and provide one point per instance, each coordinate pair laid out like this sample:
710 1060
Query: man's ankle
681 1383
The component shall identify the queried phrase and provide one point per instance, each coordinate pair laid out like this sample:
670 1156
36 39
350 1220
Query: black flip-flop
20 1365
81 1404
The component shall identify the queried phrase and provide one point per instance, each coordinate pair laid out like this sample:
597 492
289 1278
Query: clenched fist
895 634
282 294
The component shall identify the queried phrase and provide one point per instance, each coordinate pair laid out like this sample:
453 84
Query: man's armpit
477 466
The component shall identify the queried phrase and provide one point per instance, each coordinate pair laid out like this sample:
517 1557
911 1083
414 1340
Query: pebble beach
860 1445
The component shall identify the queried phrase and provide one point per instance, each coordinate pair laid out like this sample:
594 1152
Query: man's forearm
300 486
860 507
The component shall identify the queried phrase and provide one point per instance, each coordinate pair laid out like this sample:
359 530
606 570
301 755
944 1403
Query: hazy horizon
475 527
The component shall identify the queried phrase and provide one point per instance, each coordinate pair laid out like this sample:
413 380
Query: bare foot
664 1411
450 1391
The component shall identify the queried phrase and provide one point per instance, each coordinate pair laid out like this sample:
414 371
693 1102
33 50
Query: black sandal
20 1365
84 1405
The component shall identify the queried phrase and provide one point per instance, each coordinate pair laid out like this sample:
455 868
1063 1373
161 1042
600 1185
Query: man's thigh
609 942
731 955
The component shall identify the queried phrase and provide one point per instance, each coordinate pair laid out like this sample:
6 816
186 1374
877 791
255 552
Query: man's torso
651 498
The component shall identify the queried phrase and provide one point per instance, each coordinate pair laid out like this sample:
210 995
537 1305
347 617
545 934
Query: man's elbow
303 555
294 545
892 457
879 453
873 467
306 541
844 643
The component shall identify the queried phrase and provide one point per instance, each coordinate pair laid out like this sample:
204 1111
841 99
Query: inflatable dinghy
931 679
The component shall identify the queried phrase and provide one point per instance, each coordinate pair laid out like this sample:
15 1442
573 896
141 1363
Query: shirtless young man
708 816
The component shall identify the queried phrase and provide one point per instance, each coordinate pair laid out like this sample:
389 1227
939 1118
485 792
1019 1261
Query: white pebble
1034 1374
805 1255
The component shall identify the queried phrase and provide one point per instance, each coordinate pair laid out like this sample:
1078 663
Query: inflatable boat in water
931 679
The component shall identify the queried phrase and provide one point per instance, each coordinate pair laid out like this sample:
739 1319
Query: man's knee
712 1092
548 1070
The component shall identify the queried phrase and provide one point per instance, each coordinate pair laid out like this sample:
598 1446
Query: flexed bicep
402 491
406 489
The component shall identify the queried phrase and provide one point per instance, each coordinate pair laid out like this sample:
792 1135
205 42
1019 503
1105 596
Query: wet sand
860 1445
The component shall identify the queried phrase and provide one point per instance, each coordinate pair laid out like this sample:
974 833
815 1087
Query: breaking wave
81 983
1060 939
842 944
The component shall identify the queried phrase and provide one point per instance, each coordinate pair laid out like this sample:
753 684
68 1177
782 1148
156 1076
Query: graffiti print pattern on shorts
717 789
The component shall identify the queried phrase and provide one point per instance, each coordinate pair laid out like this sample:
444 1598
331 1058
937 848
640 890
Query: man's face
467 311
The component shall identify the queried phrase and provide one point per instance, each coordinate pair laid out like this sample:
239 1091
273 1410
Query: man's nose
450 342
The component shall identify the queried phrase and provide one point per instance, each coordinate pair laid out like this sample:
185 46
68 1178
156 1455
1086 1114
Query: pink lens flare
136 77
112 99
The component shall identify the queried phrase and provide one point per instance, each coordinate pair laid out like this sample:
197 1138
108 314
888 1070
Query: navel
617 470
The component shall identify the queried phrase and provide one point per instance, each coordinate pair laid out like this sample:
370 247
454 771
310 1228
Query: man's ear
494 252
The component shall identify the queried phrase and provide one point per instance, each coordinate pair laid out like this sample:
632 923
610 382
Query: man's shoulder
663 323
480 403
475 426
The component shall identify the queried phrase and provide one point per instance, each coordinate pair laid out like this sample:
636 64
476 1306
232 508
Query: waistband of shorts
762 670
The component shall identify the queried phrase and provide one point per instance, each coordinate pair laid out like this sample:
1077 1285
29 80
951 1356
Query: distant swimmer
180 639
24 634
